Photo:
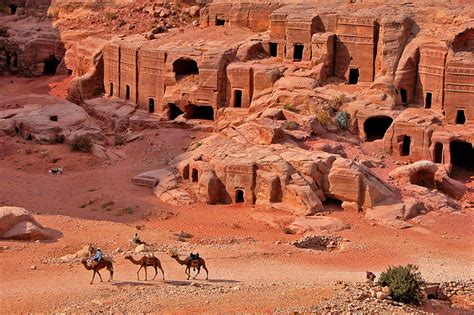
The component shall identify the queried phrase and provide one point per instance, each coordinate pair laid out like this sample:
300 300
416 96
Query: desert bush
287 230
404 281
290 108
337 102
323 117
342 120
291 125
81 143
111 15
119 140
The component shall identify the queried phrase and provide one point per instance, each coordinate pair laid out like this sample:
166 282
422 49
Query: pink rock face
47 119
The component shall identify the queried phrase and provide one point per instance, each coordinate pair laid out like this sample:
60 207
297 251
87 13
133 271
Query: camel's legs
99 276
156 272
138 272
93 276
188 272
159 266
207 272
111 270
146 276
199 270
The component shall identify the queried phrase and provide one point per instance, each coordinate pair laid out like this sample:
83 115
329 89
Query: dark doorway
9 60
184 67
199 112
13 8
237 98
111 89
405 146
151 105
375 127
69 71
239 196
273 49
127 92
220 21
428 99
353 76
438 153
298 52
404 96
14 61
53 117
50 65
462 154
174 111
194 175
460 117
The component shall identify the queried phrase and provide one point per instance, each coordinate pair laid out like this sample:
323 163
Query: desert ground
252 266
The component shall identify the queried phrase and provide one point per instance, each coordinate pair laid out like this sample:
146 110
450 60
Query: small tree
342 120
404 281
81 143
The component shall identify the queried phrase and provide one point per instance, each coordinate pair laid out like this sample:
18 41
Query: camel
195 264
103 263
147 261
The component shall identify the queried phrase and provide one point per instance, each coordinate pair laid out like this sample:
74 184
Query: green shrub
287 230
291 125
119 140
290 108
323 117
404 281
81 143
342 120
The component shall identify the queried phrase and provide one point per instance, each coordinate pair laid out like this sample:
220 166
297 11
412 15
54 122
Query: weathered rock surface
419 173
51 120
18 223
317 224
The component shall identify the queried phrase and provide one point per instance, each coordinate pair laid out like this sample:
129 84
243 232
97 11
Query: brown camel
147 261
103 263
195 264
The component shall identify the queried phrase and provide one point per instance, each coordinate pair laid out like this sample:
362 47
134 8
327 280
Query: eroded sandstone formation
267 77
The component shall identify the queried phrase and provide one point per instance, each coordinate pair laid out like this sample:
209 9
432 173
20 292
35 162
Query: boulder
47 119
18 223
318 224
251 50
150 178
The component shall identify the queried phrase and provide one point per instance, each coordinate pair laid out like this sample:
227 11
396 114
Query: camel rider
98 256
136 239
193 256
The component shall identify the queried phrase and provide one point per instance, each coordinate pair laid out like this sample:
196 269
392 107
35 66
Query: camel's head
128 257
84 261
173 253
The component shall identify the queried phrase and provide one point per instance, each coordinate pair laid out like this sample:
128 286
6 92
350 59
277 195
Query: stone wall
151 69
430 86
129 73
356 44
459 92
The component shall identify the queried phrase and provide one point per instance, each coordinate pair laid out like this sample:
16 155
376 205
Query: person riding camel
98 256
136 239
193 256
